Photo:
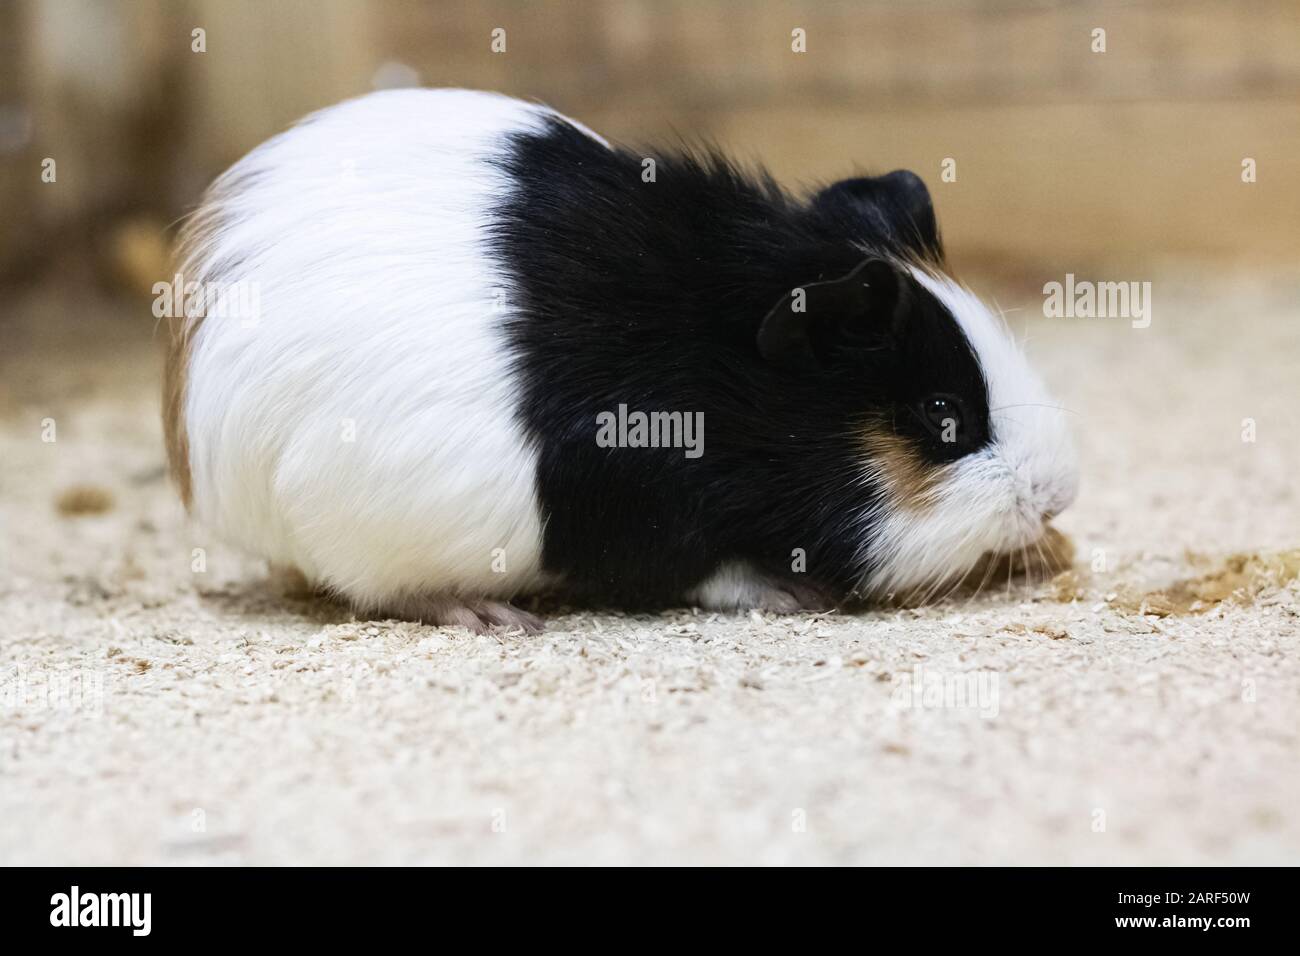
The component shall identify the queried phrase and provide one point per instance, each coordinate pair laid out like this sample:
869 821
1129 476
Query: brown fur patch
179 340
175 380
910 482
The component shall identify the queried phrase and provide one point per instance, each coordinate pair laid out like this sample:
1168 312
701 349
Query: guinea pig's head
958 449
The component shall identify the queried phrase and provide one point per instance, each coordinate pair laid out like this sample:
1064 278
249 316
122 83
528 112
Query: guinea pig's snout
1055 496
1067 491
1041 494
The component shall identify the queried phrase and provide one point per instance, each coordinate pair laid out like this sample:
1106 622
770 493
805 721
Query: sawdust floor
1144 712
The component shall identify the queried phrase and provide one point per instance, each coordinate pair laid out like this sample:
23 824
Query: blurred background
1066 157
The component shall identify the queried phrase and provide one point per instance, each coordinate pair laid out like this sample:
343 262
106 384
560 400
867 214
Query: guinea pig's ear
811 322
896 205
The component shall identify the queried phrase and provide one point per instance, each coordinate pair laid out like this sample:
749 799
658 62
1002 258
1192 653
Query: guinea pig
452 349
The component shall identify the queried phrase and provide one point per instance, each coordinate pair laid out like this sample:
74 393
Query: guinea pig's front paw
478 615
737 586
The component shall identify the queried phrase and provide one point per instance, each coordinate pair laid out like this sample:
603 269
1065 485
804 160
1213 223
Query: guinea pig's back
348 403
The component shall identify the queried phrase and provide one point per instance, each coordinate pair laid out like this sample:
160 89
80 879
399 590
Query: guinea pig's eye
943 415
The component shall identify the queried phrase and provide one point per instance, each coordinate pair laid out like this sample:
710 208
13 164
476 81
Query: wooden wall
1064 156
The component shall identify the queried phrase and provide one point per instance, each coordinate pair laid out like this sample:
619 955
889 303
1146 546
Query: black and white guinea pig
488 354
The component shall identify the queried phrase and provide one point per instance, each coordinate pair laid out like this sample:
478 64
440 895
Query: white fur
995 499
736 586
364 230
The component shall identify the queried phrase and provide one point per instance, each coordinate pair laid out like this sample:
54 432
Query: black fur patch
650 295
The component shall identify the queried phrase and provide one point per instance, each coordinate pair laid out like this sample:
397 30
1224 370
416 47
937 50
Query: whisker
1058 408
1042 557
957 582
989 568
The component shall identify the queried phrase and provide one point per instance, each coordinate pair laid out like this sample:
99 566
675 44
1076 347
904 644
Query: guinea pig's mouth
1036 559
1039 558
